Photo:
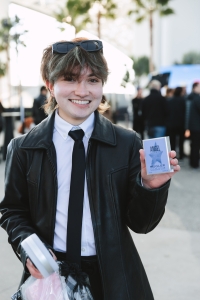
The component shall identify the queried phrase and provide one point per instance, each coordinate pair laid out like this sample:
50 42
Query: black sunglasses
88 45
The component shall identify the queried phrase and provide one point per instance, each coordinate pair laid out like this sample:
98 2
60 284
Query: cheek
99 93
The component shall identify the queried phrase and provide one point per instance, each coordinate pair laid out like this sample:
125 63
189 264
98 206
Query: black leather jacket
117 200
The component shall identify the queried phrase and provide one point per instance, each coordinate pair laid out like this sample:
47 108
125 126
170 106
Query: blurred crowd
176 115
37 112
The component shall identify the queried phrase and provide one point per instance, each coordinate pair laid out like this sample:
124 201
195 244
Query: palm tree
144 9
5 40
78 13
6 25
2 69
105 9
75 12
141 67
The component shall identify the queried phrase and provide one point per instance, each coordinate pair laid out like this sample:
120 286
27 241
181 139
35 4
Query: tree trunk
99 24
151 65
8 75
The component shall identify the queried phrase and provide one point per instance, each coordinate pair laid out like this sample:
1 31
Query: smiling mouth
83 102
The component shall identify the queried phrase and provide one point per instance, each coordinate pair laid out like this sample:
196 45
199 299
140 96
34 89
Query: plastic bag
58 286
77 292
52 287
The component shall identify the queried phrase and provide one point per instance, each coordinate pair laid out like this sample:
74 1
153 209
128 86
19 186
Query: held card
157 155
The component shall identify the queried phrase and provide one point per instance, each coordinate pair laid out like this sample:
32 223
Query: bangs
73 63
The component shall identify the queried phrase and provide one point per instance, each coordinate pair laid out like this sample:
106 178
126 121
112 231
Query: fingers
33 270
172 154
54 257
174 161
187 133
142 158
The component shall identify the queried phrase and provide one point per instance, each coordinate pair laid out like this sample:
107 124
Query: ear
49 85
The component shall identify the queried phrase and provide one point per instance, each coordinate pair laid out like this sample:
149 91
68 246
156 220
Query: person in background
176 120
1 118
184 91
37 109
193 123
169 93
107 113
138 123
154 111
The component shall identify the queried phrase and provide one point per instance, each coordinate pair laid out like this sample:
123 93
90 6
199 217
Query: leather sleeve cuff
24 256
140 187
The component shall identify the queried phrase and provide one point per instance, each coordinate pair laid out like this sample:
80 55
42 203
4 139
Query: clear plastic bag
52 287
57 286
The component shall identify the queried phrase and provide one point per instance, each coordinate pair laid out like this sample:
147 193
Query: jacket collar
40 137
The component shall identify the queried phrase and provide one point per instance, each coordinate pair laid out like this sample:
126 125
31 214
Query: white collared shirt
64 147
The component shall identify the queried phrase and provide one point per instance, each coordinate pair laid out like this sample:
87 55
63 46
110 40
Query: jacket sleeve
15 210
145 207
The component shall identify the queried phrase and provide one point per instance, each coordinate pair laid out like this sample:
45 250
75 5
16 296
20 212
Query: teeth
81 101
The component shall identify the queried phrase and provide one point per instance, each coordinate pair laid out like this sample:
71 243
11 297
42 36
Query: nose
81 89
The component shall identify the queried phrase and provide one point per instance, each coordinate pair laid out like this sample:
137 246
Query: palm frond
139 3
140 19
166 11
133 11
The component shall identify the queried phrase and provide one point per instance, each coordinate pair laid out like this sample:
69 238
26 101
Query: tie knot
76 134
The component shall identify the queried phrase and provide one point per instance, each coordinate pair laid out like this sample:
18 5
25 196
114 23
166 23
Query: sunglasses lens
90 45
64 47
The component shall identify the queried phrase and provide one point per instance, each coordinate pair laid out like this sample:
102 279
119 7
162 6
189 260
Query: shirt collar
63 127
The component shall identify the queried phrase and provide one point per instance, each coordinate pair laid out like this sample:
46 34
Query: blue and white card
157 155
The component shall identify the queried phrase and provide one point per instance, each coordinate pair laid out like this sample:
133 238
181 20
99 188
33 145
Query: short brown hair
195 84
54 66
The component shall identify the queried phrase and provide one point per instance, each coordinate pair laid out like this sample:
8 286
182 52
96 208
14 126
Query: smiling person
79 182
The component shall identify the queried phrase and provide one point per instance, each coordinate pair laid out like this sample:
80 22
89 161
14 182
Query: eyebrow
92 74
77 76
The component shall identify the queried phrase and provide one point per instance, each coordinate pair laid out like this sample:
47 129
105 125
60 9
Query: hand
187 133
33 270
157 180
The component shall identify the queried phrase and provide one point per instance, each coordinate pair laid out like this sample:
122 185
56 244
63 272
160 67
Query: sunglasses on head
88 45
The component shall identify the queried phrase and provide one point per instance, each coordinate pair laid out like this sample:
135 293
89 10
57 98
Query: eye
69 78
94 80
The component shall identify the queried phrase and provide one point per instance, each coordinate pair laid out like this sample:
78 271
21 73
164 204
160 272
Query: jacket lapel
40 137
104 130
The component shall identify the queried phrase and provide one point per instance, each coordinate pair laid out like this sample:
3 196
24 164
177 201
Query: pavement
170 253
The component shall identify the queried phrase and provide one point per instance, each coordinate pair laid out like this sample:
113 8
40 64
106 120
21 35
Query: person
138 124
38 113
154 111
107 113
1 128
169 93
1 118
118 193
193 123
176 120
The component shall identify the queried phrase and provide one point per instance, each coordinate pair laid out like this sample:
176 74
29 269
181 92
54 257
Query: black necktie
75 209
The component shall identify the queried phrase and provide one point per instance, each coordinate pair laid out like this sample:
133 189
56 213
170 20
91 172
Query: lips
82 102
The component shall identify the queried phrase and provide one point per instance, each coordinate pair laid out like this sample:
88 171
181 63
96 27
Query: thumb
142 159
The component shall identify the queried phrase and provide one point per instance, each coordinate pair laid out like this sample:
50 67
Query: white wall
174 35
179 32
4 9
